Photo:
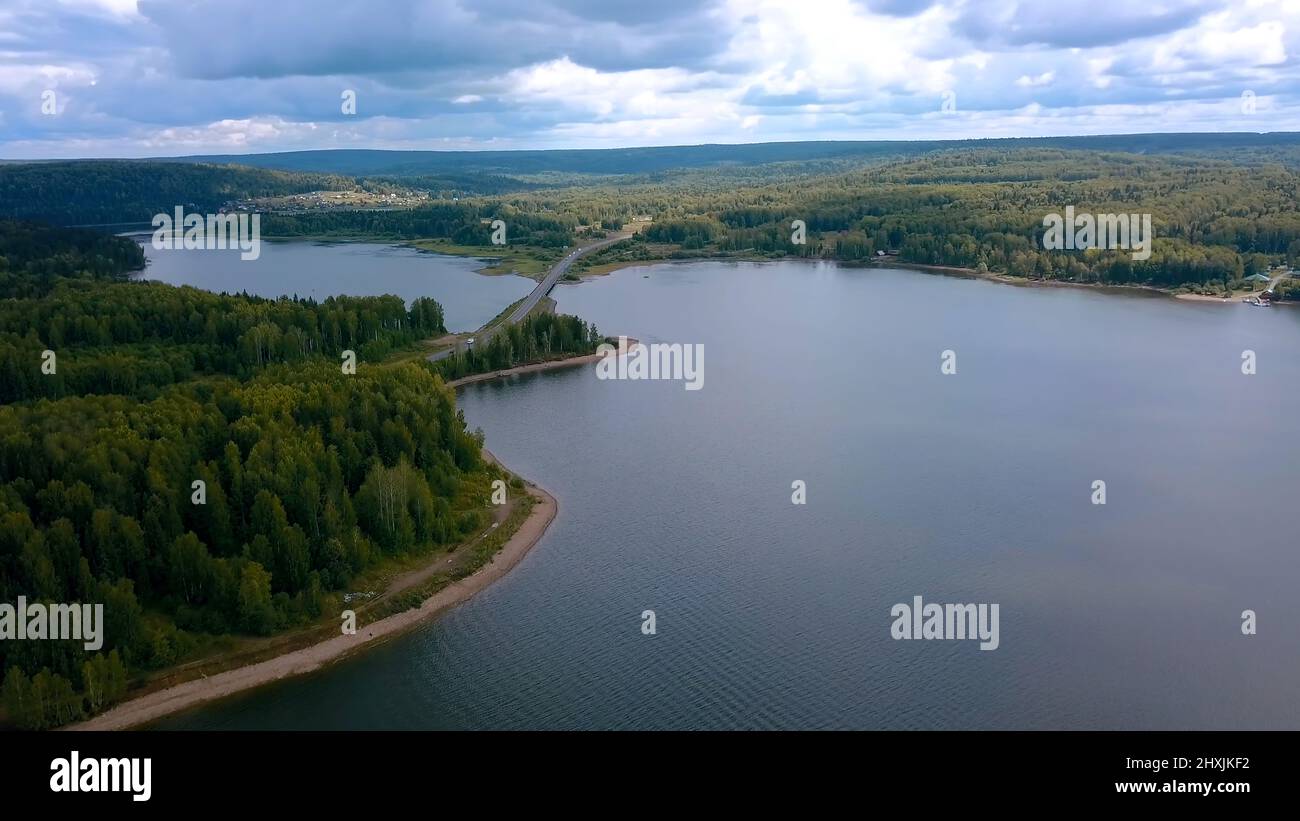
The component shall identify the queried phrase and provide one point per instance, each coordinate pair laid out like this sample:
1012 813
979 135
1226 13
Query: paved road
543 288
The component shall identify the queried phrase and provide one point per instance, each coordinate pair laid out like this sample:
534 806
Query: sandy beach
155 705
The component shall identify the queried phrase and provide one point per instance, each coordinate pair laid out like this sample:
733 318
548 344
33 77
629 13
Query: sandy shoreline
152 706
155 705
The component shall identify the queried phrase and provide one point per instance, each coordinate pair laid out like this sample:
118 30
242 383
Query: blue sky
133 78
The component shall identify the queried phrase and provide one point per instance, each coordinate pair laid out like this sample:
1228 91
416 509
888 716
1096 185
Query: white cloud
144 78
1043 79
837 49
227 135
116 8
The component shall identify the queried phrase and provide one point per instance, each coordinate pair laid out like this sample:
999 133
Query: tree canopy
203 465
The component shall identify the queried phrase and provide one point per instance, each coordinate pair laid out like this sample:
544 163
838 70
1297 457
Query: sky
141 78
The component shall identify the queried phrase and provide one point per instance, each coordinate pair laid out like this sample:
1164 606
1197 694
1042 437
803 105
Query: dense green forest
33 258
539 337
1215 220
138 338
95 192
309 474
1222 205
464 223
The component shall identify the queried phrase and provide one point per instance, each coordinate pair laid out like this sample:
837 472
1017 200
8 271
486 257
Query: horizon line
650 147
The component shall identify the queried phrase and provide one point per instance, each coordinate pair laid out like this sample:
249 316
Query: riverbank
1238 297
549 365
1022 282
531 263
155 705
502 260
1025 282
945 270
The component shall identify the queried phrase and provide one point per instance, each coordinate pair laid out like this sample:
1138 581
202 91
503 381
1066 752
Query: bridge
543 288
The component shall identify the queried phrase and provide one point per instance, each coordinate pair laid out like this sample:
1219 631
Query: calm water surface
973 487
319 270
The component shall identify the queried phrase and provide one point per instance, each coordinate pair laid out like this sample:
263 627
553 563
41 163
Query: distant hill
95 192
366 162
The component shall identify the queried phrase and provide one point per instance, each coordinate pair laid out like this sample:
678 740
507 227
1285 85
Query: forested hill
94 192
118 398
33 257
100 192
649 160
1222 206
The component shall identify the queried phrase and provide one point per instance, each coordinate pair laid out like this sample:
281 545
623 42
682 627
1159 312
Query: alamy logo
75 774
1112 232
213 232
81 622
656 360
946 621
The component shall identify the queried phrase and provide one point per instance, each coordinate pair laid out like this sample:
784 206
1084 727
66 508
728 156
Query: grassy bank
524 260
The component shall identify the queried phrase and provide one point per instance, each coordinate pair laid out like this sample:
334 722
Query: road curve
543 288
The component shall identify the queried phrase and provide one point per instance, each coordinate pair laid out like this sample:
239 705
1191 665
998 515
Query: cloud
160 77
430 36
1078 25
1025 81
898 8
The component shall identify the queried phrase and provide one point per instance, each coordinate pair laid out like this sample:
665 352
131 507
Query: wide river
971 487
319 270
